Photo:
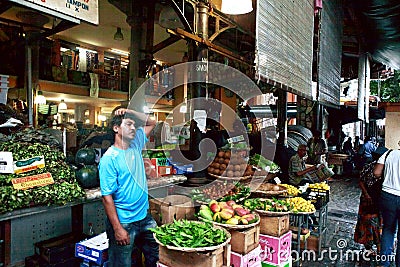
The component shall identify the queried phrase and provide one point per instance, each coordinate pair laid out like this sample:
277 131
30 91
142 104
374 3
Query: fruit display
272 189
87 173
222 191
230 164
227 212
190 234
291 190
275 205
323 186
299 204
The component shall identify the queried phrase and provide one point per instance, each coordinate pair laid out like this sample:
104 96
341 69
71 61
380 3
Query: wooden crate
217 258
244 241
274 226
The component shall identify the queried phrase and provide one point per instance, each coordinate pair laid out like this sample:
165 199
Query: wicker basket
201 249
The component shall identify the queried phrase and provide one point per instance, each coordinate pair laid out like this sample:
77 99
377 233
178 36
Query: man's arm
307 170
149 123
121 235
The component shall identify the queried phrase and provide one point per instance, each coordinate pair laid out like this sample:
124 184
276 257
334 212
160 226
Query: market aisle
342 218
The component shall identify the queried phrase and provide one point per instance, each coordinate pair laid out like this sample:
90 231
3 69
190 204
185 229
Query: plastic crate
319 197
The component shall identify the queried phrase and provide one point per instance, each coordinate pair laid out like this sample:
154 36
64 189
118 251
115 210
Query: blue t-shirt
123 176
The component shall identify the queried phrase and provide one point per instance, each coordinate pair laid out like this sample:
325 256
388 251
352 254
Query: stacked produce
230 164
65 188
87 174
222 191
189 234
227 212
291 190
299 204
275 205
323 186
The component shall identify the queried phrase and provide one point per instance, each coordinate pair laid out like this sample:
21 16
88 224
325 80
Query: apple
215 207
231 202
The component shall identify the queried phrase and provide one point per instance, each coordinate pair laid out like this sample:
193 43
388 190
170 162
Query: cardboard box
165 210
157 167
274 225
288 263
251 259
312 243
244 241
276 250
58 249
216 258
93 249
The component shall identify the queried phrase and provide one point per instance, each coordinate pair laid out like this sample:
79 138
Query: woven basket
185 249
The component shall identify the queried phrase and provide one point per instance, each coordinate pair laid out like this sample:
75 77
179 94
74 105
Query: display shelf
27 226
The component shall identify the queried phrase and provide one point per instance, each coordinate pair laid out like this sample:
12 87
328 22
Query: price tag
26 165
6 162
32 181
277 180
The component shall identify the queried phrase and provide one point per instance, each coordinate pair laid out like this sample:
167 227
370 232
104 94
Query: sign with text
6 162
32 181
86 10
26 165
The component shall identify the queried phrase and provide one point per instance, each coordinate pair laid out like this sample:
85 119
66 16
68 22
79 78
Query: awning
349 114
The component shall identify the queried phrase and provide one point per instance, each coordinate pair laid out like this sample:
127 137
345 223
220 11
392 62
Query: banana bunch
299 204
291 190
322 185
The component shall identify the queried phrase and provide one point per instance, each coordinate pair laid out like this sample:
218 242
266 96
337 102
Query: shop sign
6 162
86 10
32 181
26 165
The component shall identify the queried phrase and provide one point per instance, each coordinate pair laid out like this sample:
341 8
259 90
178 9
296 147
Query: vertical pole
29 90
135 20
367 93
361 89
282 117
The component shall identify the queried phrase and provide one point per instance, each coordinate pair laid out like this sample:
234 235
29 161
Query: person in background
357 143
124 189
365 150
348 147
388 167
369 221
316 148
299 174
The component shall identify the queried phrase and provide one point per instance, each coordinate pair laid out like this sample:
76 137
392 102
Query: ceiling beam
163 44
211 46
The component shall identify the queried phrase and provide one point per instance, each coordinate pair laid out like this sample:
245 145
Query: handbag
374 186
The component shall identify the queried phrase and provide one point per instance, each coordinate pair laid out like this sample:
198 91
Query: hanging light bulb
236 7
40 99
62 107
118 36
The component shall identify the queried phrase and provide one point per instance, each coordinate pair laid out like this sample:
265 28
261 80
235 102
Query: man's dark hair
117 120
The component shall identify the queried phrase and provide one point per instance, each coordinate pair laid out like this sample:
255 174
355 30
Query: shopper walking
369 221
388 167
124 189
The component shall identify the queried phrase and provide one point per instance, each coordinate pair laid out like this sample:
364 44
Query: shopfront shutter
284 38
330 53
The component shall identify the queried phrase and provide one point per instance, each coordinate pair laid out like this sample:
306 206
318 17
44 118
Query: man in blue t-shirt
124 189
